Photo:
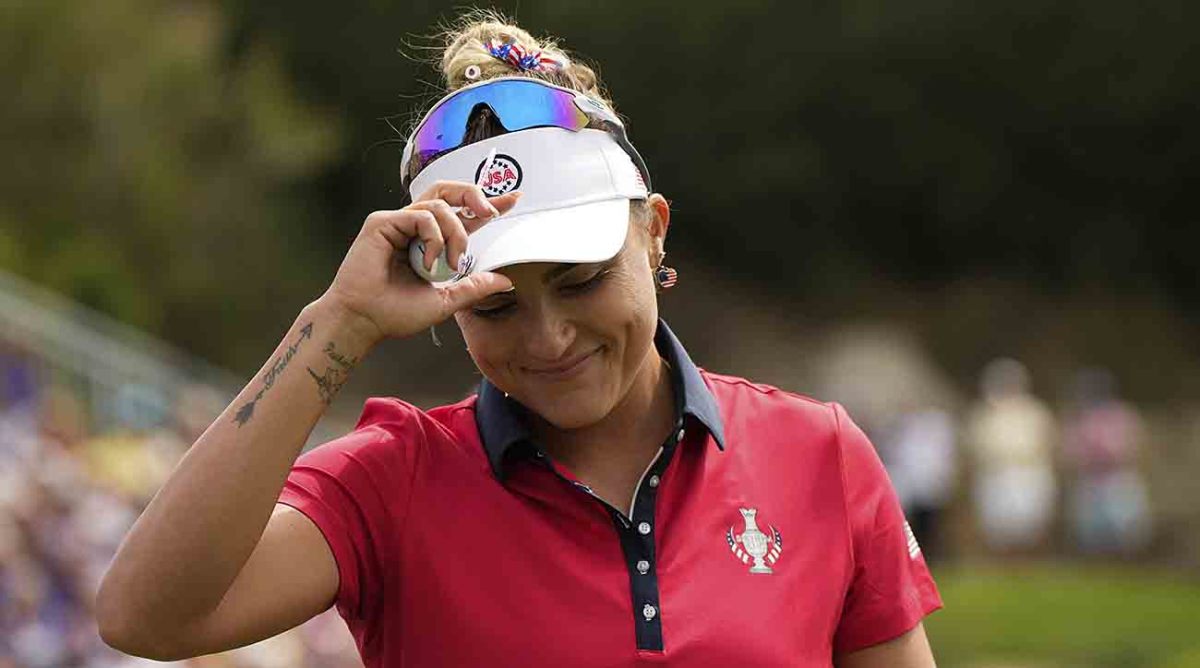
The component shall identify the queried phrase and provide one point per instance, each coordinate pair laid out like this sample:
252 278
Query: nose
549 333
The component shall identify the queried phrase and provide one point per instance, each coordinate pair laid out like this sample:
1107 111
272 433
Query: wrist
354 332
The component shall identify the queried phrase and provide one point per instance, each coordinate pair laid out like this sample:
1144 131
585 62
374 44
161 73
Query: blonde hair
464 46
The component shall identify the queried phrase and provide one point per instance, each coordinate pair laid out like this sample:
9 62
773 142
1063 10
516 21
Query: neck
629 435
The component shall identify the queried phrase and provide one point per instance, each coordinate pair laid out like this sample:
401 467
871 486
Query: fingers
399 228
457 220
439 222
470 198
435 223
454 234
504 203
461 193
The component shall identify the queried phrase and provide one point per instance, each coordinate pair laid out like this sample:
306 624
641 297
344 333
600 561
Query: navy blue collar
501 419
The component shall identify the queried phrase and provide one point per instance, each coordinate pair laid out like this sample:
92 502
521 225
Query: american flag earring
664 276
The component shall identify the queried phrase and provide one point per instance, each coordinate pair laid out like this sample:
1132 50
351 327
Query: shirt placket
636 532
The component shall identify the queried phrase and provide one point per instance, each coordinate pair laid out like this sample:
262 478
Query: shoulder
391 428
739 398
820 432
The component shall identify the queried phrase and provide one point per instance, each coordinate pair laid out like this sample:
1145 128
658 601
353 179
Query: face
570 340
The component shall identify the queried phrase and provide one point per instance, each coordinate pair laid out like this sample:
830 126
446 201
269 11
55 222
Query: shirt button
643 566
679 436
653 481
644 528
649 612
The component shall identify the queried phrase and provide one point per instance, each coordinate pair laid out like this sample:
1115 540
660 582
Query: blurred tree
841 158
920 141
834 156
150 176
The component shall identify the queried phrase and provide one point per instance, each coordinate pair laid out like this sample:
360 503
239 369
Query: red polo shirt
765 533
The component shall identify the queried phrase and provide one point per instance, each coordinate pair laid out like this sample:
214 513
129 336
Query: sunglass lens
519 105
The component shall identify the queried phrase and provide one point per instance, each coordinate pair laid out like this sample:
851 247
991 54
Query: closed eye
579 288
574 289
495 311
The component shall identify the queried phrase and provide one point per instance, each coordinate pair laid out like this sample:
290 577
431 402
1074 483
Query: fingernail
494 210
465 263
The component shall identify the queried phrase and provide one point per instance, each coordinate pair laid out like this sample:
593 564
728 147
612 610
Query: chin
572 410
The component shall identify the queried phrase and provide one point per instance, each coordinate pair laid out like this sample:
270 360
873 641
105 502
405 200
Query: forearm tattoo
335 375
272 374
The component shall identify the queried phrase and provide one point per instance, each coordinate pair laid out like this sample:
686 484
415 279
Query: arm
189 547
910 650
212 563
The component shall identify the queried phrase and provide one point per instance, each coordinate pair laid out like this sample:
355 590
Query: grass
1065 616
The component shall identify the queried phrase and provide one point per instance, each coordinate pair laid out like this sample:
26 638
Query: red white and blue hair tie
525 61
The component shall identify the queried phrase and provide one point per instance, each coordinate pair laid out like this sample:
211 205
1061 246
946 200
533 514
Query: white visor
575 187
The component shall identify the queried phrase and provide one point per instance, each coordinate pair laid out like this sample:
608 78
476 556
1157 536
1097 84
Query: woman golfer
600 501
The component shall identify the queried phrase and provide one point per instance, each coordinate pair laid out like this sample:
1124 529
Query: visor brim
583 233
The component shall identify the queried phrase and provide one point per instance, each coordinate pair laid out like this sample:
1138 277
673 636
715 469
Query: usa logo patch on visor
503 175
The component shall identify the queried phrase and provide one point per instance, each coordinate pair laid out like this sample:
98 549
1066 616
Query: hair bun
467 52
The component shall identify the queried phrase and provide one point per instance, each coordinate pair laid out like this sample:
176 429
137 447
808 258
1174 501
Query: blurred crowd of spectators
76 468
1025 470
79 461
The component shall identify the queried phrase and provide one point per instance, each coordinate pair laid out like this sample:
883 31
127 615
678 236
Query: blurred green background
874 199
1064 617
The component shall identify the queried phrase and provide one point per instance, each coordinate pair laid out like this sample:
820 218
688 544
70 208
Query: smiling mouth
565 369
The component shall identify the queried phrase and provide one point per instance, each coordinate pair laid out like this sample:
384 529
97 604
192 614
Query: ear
656 226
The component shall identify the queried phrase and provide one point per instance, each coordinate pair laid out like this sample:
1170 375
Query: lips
567 368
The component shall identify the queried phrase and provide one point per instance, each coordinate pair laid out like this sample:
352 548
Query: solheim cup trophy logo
752 543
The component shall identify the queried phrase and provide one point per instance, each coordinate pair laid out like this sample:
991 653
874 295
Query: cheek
638 297
485 344
494 365
632 289
626 314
